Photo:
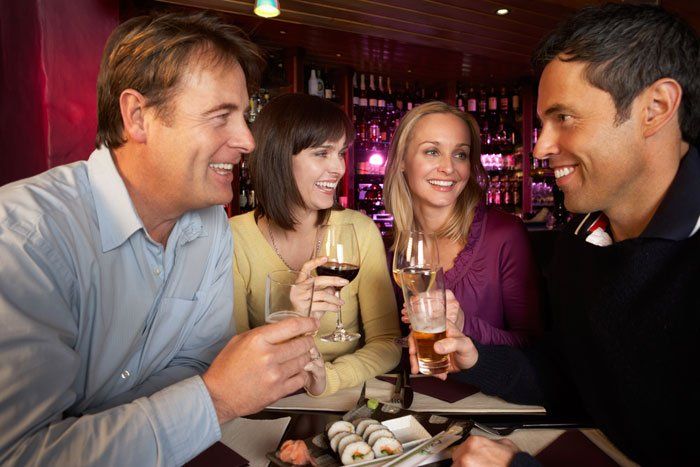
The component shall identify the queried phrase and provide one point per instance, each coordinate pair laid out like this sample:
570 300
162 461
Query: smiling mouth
221 168
563 171
327 185
442 183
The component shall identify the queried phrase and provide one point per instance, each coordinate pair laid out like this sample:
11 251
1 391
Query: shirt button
125 374
156 271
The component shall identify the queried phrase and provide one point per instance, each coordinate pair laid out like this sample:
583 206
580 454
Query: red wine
345 270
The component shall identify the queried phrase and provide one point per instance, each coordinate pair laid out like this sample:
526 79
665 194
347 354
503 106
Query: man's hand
481 451
460 350
325 287
259 367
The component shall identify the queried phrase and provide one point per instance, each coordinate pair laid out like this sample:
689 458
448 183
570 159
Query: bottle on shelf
328 87
363 92
372 93
313 83
381 96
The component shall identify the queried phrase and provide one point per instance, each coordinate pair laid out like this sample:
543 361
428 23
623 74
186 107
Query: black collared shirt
677 217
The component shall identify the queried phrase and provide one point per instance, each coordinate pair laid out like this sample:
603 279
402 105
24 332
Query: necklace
274 246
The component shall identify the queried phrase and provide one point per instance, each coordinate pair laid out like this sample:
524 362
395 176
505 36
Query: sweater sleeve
379 317
519 291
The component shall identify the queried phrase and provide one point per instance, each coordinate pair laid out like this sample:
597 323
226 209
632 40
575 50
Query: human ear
662 100
132 105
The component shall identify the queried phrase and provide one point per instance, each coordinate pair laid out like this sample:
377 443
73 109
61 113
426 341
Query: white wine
417 279
278 316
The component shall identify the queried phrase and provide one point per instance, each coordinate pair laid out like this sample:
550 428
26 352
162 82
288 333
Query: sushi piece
337 427
358 420
371 429
379 434
351 438
361 426
386 446
336 439
356 452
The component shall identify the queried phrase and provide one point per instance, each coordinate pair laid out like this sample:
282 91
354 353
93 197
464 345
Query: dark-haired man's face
596 162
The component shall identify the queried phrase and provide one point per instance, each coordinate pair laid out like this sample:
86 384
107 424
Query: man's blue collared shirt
103 332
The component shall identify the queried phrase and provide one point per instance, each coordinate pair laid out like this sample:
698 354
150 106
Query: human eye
342 154
431 152
320 153
222 118
564 119
462 155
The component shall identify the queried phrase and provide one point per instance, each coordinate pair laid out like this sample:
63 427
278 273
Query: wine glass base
340 335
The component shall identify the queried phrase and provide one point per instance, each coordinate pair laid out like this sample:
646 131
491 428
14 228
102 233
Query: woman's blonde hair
397 195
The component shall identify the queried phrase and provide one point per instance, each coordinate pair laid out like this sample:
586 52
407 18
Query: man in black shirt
619 103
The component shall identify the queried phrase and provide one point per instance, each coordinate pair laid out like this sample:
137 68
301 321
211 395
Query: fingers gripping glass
339 244
288 294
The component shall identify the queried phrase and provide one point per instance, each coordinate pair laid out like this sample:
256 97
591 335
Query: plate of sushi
362 438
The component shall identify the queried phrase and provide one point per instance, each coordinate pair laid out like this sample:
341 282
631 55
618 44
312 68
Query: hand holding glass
424 293
288 294
339 244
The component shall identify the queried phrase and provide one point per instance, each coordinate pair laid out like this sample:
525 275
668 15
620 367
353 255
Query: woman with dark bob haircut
297 164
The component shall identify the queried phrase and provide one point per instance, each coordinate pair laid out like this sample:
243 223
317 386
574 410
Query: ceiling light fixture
502 11
267 8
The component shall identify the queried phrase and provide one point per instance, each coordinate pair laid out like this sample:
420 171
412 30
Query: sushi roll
357 421
386 446
339 426
360 427
356 452
336 439
379 434
371 429
351 438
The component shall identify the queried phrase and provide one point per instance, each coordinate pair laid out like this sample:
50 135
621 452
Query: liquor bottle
355 91
390 98
328 89
482 103
460 100
372 93
363 92
471 102
321 86
313 83
381 96
503 102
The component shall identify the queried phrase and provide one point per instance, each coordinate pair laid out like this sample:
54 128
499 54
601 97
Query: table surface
312 419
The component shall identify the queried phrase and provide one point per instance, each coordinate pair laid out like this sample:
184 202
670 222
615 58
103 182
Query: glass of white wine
415 251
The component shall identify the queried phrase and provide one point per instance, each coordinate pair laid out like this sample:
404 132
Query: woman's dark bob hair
286 126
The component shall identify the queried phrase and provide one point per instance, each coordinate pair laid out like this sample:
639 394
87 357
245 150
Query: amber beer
430 362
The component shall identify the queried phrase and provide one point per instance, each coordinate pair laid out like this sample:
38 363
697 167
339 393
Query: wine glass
287 294
339 244
415 250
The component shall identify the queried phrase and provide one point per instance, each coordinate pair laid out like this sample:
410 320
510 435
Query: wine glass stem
339 321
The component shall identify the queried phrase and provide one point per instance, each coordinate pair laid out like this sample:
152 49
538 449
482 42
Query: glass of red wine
339 244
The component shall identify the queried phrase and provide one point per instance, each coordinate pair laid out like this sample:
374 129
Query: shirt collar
678 215
116 215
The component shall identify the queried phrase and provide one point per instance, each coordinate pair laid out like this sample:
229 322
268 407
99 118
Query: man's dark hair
150 54
286 126
627 48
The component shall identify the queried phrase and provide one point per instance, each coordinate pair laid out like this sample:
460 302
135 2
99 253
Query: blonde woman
297 164
433 183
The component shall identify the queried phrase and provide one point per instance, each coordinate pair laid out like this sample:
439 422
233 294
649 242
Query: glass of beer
424 292
288 294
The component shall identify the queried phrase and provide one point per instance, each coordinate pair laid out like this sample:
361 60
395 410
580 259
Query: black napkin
218 454
574 449
449 390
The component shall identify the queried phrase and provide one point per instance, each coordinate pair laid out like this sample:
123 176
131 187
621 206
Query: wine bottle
355 91
363 92
381 97
372 93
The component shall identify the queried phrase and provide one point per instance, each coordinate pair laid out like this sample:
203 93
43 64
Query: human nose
445 164
546 145
242 139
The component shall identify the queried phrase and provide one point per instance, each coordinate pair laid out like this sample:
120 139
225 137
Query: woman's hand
315 376
460 350
325 298
453 311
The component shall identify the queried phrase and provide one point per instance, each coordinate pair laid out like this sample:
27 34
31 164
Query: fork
496 431
397 395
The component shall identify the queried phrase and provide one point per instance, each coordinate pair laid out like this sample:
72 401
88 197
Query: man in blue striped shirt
116 285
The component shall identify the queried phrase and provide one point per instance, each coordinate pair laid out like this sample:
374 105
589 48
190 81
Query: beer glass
424 293
287 294
414 249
